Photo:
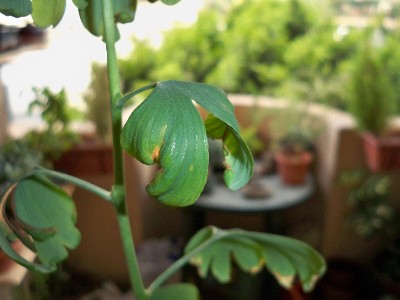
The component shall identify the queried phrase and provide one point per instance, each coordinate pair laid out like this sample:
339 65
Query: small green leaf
284 257
16 8
92 17
91 14
124 11
247 255
167 129
80 4
220 264
170 2
185 291
41 206
46 13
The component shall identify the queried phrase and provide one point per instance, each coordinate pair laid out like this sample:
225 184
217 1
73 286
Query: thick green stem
118 194
115 89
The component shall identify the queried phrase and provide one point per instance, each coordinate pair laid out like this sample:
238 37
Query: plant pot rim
385 140
304 157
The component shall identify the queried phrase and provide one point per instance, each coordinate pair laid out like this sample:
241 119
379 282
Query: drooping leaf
16 8
222 124
46 13
167 129
185 291
237 155
47 214
285 258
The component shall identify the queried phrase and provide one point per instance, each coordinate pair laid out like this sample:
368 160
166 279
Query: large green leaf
16 8
284 257
46 13
185 291
222 124
167 129
47 215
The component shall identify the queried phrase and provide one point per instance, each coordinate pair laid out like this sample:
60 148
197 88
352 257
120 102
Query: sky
66 60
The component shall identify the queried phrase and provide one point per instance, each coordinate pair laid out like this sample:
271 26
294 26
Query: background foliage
297 50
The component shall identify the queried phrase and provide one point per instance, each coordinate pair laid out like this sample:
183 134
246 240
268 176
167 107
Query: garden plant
165 129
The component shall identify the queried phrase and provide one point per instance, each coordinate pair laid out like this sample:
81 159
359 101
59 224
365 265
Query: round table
281 196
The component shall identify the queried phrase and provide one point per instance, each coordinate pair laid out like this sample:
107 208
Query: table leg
195 220
275 223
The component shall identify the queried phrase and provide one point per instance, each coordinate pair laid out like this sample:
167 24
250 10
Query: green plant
57 136
294 129
97 99
166 129
371 211
371 97
17 159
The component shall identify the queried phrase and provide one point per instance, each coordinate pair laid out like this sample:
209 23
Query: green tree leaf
46 13
167 129
47 214
285 258
185 291
16 8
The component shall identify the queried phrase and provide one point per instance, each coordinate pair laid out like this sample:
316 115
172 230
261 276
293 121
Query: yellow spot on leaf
196 260
155 155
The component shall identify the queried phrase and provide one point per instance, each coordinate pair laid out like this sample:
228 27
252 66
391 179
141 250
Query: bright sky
72 49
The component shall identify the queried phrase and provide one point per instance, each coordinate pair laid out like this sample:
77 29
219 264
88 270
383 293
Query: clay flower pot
293 168
382 153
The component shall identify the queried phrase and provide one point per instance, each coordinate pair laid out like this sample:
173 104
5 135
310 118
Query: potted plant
372 212
371 102
165 129
17 158
294 158
93 153
294 131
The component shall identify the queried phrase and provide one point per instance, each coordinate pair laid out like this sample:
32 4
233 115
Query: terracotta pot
293 168
381 153
86 158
